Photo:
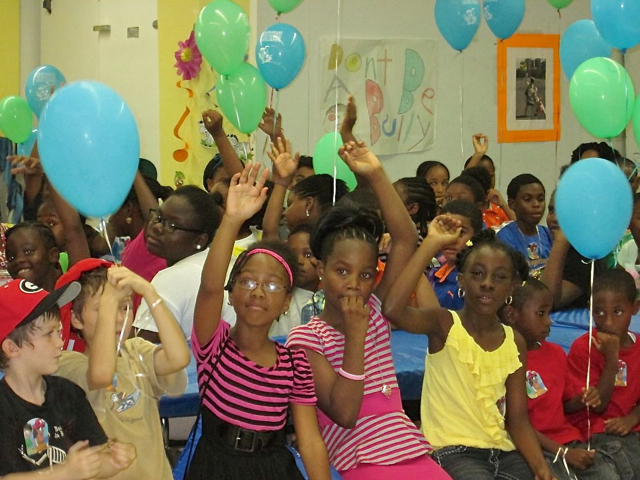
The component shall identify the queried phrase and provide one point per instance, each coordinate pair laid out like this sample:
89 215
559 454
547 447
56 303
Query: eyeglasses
155 217
269 287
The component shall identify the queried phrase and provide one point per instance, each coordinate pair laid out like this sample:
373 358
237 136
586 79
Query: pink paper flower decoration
188 58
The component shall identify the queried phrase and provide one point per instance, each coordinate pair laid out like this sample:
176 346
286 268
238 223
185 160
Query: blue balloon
503 16
89 147
280 54
38 86
618 21
581 42
458 21
594 204
25 148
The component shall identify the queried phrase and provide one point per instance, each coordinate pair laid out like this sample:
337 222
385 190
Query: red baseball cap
73 275
22 302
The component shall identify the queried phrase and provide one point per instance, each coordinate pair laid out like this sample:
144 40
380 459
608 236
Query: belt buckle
243 444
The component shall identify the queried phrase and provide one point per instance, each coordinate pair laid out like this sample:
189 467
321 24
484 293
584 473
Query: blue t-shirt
446 288
535 248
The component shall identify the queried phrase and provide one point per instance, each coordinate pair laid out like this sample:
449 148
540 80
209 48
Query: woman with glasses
179 231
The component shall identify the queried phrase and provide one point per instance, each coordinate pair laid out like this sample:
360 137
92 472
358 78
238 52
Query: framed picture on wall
529 89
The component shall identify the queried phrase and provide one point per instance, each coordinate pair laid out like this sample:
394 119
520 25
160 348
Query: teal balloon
280 54
16 118
503 16
458 21
38 86
284 6
595 222
580 42
325 158
602 96
242 96
618 21
222 35
89 147
25 147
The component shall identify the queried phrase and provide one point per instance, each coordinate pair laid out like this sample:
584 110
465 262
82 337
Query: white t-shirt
287 321
178 287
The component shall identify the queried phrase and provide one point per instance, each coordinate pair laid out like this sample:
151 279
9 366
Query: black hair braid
418 190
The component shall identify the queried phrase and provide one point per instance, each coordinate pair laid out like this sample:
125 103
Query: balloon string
461 105
336 126
589 361
626 106
103 227
275 112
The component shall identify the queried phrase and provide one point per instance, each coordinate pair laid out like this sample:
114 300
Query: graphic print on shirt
535 385
532 251
120 400
36 448
621 374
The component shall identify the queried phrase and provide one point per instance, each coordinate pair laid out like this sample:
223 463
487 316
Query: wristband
156 303
351 376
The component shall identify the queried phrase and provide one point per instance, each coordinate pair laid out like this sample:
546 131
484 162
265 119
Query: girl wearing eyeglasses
248 382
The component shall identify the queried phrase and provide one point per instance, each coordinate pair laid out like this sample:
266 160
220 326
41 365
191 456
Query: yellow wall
10 47
175 22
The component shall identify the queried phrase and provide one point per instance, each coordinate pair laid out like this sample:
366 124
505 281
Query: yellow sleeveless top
464 389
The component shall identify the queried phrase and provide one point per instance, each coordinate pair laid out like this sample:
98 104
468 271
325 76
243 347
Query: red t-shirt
625 394
548 387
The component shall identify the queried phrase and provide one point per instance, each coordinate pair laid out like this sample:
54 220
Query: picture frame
529 88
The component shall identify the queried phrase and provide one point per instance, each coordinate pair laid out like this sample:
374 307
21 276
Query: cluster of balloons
459 20
594 223
222 32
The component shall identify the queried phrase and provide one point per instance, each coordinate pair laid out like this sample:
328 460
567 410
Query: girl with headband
248 382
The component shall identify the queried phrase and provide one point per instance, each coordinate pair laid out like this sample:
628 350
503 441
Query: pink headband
277 257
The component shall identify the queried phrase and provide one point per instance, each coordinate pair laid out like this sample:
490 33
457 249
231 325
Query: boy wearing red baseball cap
48 427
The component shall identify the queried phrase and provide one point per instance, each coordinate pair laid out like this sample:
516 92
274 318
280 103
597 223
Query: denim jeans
624 452
468 463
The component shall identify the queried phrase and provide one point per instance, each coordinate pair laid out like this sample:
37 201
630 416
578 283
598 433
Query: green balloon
636 120
284 6
242 96
222 35
602 96
559 3
325 157
16 118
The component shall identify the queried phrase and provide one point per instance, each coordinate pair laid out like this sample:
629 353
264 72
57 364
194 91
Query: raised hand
350 116
270 125
480 143
247 192
124 279
444 230
359 158
284 164
23 165
212 121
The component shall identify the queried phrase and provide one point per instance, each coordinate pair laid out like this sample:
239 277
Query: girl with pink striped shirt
247 382
366 431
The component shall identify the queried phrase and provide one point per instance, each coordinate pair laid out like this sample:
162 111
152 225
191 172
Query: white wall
128 65
371 19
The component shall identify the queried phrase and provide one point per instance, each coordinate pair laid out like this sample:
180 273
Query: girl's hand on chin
356 315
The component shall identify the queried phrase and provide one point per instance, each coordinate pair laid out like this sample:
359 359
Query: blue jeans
624 452
468 463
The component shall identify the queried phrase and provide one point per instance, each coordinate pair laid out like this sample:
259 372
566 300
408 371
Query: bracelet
156 303
350 376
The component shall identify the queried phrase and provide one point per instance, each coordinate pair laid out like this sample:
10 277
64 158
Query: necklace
386 388
531 249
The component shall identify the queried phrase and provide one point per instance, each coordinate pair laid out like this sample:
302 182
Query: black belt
245 440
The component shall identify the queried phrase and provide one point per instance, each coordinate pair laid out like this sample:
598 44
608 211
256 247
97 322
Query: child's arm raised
404 236
480 147
270 125
173 355
443 231
310 442
213 123
284 167
349 121
247 194
517 418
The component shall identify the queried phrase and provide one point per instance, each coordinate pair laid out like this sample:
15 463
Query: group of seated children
498 400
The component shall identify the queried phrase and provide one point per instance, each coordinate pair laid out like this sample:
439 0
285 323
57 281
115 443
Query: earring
509 300
306 212
228 302
461 293
286 312
198 247
128 220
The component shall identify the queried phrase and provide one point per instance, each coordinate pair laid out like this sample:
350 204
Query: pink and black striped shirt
245 394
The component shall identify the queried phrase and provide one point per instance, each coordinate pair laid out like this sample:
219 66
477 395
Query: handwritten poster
394 85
